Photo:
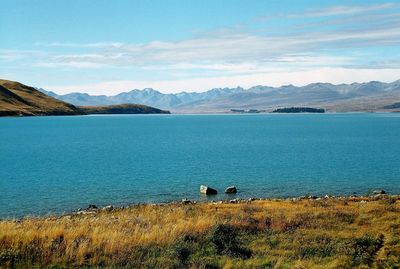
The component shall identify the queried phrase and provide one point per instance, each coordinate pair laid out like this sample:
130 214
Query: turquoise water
56 164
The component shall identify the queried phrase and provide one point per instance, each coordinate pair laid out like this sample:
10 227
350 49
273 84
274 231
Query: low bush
364 249
320 246
225 240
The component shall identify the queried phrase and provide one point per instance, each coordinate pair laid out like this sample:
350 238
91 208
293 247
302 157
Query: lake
57 164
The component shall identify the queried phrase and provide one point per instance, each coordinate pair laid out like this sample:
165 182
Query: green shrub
364 249
9 257
184 247
300 220
225 241
320 246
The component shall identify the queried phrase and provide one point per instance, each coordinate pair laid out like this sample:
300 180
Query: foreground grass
329 233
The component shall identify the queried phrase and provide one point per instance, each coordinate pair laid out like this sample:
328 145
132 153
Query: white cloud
346 10
234 49
287 62
331 75
13 54
69 64
79 45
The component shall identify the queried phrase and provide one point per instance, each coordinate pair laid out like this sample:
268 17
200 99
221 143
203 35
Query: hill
17 99
122 109
370 96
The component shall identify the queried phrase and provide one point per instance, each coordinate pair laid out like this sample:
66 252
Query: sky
106 47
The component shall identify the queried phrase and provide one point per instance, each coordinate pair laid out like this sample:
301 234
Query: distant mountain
393 106
372 96
17 99
146 96
122 109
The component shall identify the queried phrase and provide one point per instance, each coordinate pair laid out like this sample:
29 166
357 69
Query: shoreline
206 113
98 208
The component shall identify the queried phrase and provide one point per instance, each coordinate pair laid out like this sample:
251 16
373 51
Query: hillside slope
17 99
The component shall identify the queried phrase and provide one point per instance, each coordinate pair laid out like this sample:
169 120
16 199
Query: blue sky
105 47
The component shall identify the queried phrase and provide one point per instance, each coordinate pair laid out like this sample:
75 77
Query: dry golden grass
328 233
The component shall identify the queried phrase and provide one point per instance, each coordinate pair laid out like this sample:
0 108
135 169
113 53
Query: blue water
57 164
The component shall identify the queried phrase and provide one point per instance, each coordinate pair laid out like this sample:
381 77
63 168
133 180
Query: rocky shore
374 196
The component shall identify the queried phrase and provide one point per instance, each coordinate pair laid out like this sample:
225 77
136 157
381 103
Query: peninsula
299 110
122 109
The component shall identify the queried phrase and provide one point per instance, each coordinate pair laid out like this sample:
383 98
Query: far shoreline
206 114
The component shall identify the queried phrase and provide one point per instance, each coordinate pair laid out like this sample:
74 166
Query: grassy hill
17 99
122 109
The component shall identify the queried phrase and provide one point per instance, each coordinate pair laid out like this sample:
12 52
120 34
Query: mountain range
370 96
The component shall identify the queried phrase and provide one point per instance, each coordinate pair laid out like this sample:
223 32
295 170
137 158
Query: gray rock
108 208
186 201
379 192
207 190
86 212
231 189
380 196
91 207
